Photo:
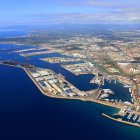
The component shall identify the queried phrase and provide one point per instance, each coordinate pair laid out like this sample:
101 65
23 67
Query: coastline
71 98
48 94
60 97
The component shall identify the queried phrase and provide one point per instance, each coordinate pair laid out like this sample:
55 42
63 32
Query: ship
108 91
126 86
96 81
130 89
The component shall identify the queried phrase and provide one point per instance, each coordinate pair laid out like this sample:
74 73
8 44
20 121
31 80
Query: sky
19 12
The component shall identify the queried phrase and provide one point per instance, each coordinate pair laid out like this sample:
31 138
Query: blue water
26 114
4 33
82 82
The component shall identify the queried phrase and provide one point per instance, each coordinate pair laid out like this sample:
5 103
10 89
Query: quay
121 121
40 52
70 91
60 60
82 97
81 68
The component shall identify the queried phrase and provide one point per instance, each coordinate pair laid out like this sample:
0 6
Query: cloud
103 3
109 11
132 17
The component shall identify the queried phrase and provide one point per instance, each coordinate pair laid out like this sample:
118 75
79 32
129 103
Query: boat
127 103
106 99
130 90
108 91
96 81
126 86
112 100
129 116
120 101
138 120
104 95
135 117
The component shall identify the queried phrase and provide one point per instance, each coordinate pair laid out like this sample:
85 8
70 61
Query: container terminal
54 85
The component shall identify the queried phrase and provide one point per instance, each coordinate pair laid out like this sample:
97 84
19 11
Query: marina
56 85
53 85
31 107
122 121
79 77
70 70
126 116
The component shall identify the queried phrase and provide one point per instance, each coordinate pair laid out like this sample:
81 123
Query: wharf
80 68
121 121
82 98
15 64
40 53
60 60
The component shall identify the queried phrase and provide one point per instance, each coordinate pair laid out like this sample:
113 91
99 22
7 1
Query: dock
80 68
60 60
120 121
58 87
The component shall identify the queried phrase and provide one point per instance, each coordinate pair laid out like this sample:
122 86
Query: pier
49 84
120 121
80 68
60 60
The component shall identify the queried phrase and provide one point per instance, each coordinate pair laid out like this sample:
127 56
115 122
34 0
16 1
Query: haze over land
81 50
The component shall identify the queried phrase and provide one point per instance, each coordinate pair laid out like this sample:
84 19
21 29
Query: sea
26 114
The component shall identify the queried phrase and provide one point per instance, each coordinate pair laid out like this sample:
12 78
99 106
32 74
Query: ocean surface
26 114
82 82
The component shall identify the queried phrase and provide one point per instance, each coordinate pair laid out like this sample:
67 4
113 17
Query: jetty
121 121
55 86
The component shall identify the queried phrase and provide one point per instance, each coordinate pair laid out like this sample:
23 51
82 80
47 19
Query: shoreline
119 107
59 97
70 98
